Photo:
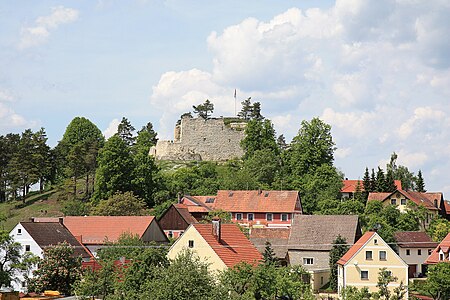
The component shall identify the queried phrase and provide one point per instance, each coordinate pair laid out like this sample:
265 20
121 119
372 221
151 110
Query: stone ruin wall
199 139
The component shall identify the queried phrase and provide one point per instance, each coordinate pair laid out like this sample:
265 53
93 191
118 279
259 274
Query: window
27 247
429 251
284 217
19 231
375 241
419 251
394 201
364 275
238 216
321 280
308 261
382 255
269 217
191 244
403 201
24 284
441 256
170 234
369 255
250 216
408 252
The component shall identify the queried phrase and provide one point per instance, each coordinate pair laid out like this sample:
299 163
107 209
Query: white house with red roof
250 208
221 245
360 266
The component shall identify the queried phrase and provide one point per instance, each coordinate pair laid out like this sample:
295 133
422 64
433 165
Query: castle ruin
214 139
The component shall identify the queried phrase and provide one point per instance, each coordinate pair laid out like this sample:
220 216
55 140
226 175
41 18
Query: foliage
438 229
79 131
259 135
204 110
263 166
384 279
115 167
145 179
146 137
125 131
338 250
250 111
420 184
98 283
9 258
75 208
269 255
120 204
437 284
225 217
353 293
58 270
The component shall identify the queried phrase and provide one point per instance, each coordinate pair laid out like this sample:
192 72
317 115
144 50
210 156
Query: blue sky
377 71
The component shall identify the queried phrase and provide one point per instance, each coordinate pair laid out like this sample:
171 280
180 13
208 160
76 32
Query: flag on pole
235 102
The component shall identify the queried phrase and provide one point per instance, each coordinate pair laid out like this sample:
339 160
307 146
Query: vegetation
338 250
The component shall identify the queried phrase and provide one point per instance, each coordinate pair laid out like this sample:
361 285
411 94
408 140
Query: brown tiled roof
278 238
317 232
349 186
425 199
434 256
447 207
257 201
414 239
197 203
234 246
355 248
52 233
98 229
184 213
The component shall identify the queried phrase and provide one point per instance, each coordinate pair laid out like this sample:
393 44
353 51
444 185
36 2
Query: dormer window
435 203
19 231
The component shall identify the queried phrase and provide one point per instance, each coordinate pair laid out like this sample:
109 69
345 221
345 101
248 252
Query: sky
377 71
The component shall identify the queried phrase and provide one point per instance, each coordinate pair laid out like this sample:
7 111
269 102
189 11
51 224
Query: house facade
220 245
441 253
311 240
35 237
359 267
401 198
414 247
175 220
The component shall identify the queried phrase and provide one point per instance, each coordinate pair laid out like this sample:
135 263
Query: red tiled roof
233 248
257 201
355 248
96 229
434 256
447 207
349 186
425 199
414 239
197 203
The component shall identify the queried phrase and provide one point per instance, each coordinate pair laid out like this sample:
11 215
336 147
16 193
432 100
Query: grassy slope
36 205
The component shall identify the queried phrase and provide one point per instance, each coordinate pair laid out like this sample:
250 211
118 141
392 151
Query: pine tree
339 248
281 142
367 186
269 254
204 110
373 181
246 109
359 193
420 184
125 131
41 157
256 112
380 181
390 182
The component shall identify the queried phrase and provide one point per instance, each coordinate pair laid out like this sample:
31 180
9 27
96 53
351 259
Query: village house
198 206
441 253
400 198
35 237
251 208
349 187
175 220
311 240
360 266
220 245
414 247
96 232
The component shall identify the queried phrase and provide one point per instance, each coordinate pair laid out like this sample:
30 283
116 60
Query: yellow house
400 198
220 245
359 267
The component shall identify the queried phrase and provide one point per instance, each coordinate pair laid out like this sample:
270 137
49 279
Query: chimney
32 220
216 228
61 220
259 191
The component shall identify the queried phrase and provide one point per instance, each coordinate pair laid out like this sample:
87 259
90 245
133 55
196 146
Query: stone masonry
200 139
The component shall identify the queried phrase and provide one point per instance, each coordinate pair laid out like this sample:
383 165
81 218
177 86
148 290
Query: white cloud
39 32
112 128
368 68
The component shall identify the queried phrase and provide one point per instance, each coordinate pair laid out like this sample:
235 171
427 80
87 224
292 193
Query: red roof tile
258 201
96 229
197 204
349 186
414 239
434 256
355 248
234 246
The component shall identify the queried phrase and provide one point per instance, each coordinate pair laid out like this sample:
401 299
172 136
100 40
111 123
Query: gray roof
51 233
278 238
317 232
